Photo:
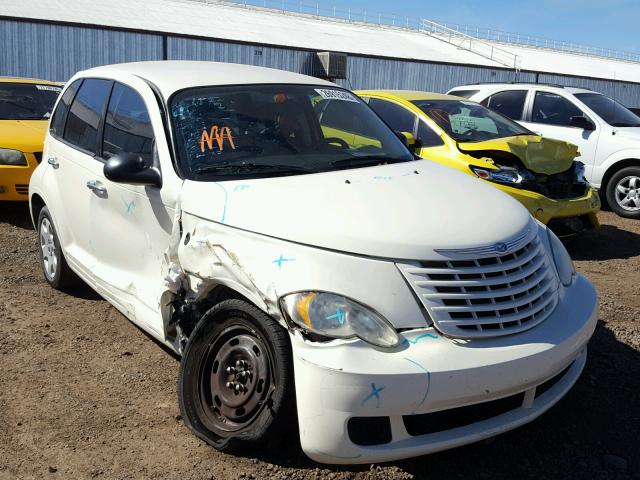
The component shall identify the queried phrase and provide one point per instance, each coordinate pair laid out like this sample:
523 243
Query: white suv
607 133
273 231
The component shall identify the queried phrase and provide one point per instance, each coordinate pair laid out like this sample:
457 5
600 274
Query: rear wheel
54 266
623 192
235 385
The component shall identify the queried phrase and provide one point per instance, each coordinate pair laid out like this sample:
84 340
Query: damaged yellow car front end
541 173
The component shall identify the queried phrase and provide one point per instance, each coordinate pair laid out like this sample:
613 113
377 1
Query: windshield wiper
365 160
240 168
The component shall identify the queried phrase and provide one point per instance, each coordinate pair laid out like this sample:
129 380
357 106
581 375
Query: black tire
227 412
61 277
621 178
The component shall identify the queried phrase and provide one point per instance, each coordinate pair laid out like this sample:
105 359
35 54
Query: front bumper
14 180
339 381
547 209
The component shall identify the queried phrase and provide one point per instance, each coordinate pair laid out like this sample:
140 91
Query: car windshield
467 121
252 131
27 101
609 110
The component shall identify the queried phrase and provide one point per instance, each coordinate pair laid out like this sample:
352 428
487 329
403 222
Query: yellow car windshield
27 101
467 121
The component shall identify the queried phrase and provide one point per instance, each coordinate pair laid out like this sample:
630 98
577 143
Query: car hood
24 135
539 154
400 211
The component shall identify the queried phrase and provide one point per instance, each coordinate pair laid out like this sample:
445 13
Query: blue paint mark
239 188
131 206
339 315
280 260
379 177
428 381
407 341
375 392
226 199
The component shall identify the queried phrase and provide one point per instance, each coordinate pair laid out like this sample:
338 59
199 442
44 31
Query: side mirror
407 138
132 169
580 121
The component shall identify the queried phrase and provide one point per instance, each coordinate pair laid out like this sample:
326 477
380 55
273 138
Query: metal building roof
226 21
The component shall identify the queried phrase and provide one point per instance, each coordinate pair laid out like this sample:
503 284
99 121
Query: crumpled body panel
541 155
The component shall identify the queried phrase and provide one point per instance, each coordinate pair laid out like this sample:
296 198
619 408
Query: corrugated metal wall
56 52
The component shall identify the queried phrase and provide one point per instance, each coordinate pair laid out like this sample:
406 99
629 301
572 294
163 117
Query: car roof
169 76
516 85
409 94
29 80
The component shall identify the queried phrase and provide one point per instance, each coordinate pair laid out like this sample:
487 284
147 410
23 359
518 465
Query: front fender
599 171
263 269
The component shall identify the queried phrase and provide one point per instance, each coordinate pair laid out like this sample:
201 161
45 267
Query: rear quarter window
60 114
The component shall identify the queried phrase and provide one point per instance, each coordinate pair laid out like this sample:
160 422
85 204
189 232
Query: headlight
562 259
12 157
335 316
502 175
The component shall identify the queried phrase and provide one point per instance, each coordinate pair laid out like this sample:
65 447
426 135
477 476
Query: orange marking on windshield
219 134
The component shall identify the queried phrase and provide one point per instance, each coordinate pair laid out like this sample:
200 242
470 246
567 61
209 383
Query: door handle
97 187
53 161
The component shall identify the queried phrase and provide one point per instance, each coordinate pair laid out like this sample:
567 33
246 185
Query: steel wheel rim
628 193
48 249
235 380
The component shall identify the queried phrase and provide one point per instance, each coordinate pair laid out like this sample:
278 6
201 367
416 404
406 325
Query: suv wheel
54 266
235 385
623 192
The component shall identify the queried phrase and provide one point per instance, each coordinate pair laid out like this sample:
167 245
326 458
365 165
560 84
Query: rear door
71 163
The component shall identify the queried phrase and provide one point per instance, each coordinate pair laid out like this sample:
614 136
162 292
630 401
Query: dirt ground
85 394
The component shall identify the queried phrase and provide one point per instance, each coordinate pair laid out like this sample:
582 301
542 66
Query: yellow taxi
540 172
25 108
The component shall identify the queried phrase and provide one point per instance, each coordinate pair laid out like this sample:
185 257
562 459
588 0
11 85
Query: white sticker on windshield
331 94
50 88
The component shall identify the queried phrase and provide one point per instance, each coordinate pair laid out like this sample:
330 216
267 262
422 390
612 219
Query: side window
127 127
552 109
400 119
427 137
510 103
85 114
60 115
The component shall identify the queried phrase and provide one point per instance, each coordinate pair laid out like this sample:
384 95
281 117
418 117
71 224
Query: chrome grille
486 296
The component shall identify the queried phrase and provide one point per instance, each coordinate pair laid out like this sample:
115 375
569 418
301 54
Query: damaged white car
273 231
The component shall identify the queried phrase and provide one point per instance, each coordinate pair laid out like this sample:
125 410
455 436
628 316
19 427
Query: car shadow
16 214
599 416
607 243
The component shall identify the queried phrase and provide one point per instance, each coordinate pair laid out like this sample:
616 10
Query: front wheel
623 192
235 385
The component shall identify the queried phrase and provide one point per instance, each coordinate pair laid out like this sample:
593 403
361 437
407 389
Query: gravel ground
85 394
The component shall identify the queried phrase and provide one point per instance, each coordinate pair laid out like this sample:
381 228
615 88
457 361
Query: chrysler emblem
500 247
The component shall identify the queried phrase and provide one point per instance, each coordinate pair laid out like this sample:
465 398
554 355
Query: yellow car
25 108
540 172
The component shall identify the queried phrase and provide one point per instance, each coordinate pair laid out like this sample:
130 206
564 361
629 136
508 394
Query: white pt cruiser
272 230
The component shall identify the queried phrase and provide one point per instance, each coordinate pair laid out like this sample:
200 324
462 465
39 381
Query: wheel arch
36 204
616 167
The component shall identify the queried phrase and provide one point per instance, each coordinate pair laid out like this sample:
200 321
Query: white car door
549 114
132 223
70 155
